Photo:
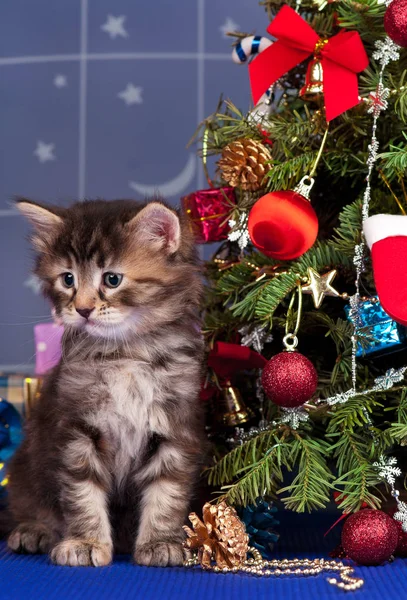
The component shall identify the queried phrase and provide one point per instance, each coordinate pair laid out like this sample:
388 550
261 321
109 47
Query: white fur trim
379 227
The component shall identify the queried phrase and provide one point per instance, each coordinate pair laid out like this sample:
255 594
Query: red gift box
208 212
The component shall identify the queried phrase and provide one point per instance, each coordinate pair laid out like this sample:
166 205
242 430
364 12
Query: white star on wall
131 95
44 152
228 26
114 26
60 81
33 283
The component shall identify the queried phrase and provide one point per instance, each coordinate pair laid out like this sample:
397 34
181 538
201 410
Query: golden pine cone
221 536
244 164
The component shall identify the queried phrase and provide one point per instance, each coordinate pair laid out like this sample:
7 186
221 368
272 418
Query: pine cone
221 536
243 164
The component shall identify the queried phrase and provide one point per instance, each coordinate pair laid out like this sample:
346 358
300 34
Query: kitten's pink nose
85 312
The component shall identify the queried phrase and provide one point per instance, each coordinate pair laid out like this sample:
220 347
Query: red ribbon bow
225 359
342 56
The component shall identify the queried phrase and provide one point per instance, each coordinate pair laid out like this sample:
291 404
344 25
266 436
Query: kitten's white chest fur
131 412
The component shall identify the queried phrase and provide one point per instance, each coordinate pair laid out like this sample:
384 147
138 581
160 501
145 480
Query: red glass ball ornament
401 549
395 22
369 537
289 379
283 225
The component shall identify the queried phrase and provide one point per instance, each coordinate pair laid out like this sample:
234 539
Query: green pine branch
399 94
248 453
364 16
394 162
340 332
352 414
261 477
354 454
311 487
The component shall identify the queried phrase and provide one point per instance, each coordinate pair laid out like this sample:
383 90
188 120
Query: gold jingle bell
230 407
313 89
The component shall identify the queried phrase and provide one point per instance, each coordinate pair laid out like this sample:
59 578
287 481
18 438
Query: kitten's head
112 268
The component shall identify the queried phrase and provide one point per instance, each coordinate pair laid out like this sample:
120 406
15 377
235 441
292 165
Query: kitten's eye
68 280
112 280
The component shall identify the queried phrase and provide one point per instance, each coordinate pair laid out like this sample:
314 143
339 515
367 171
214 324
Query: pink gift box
47 346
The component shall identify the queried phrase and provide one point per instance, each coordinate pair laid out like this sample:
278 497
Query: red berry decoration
369 537
283 225
289 379
395 22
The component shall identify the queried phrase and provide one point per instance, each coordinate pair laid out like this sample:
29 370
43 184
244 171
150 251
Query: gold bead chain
299 567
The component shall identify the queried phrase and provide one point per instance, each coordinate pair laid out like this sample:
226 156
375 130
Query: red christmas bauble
289 379
283 225
369 537
395 22
401 549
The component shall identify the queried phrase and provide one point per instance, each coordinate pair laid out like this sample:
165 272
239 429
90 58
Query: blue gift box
376 328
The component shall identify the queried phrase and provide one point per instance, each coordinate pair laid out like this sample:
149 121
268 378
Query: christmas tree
322 149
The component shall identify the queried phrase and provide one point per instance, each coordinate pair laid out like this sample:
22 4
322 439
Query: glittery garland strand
386 51
388 471
381 384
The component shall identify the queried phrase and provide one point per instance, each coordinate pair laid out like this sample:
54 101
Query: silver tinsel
401 514
387 469
239 233
358 257
294 416
373 148
255 337
355 312
378 100
242 436
386 381
340 398
386 51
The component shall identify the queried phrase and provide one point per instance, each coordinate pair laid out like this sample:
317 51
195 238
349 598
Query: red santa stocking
386 236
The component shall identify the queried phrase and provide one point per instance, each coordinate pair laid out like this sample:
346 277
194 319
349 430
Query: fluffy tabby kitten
112 450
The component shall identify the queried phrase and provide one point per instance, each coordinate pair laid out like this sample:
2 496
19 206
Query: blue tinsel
260 522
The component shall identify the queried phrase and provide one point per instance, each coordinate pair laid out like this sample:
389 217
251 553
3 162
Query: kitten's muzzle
85 312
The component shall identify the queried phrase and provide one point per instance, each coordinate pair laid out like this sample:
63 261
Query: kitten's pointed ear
42 218
159 226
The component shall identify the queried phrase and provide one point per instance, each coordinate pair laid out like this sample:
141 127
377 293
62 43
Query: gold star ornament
320 286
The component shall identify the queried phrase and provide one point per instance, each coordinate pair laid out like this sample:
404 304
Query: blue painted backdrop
99 99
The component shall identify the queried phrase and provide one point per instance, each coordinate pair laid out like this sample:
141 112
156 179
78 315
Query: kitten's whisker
47 316
39 322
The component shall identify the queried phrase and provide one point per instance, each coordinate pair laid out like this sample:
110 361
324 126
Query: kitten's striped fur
113 449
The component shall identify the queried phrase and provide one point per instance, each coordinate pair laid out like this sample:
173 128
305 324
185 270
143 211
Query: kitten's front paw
33 538
80 553
160 554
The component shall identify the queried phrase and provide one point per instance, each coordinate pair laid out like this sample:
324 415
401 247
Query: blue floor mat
34 578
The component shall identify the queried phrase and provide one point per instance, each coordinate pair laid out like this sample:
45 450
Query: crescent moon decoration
174 187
